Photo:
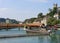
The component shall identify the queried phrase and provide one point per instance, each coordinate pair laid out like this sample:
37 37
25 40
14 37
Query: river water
55 38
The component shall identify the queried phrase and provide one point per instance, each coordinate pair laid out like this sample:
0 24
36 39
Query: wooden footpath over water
19 25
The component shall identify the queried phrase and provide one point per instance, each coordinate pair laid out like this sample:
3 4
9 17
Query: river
55 38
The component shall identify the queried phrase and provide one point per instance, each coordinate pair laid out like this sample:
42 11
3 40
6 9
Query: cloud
3 9
37 0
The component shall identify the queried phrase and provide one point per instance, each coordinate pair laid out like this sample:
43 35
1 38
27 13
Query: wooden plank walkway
19 25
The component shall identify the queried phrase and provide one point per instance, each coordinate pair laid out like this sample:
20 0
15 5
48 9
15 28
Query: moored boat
38 32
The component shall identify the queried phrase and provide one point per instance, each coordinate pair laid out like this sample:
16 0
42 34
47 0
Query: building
11 21
44 21
57 14
7 20
2 20
20 22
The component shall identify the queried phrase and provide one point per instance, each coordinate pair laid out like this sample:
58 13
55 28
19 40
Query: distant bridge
20 25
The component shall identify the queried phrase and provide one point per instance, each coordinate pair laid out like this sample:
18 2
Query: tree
52 11
32 20
26 20
53 21
58 21
40 15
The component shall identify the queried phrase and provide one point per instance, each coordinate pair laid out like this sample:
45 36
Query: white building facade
44 21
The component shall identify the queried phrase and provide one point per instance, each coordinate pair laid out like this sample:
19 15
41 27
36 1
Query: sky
25 9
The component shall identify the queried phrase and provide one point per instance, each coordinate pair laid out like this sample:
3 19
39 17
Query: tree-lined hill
51 20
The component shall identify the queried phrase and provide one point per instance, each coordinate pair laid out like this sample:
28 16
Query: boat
38 32
58 28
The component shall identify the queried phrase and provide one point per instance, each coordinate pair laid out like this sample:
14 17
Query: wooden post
19 28
7 28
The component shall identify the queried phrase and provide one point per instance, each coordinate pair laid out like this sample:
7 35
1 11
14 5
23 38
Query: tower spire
55 5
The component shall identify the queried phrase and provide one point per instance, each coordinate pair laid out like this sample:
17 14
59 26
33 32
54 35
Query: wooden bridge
20 25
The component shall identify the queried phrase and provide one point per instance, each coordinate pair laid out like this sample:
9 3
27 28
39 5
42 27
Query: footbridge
20 25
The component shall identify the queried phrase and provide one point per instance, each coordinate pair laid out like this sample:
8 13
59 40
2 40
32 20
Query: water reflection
44 39
55 38
49 39
12 31
33 39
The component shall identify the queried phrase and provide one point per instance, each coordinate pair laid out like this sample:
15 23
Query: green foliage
31 20
40 15
52 11
53 21
49 21
26 20
58 21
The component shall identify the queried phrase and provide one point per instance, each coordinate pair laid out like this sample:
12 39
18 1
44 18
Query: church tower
55 6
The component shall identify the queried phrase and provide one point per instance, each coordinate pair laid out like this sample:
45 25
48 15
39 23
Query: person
49 31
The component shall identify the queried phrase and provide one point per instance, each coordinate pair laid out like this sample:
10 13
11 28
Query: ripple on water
34 39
